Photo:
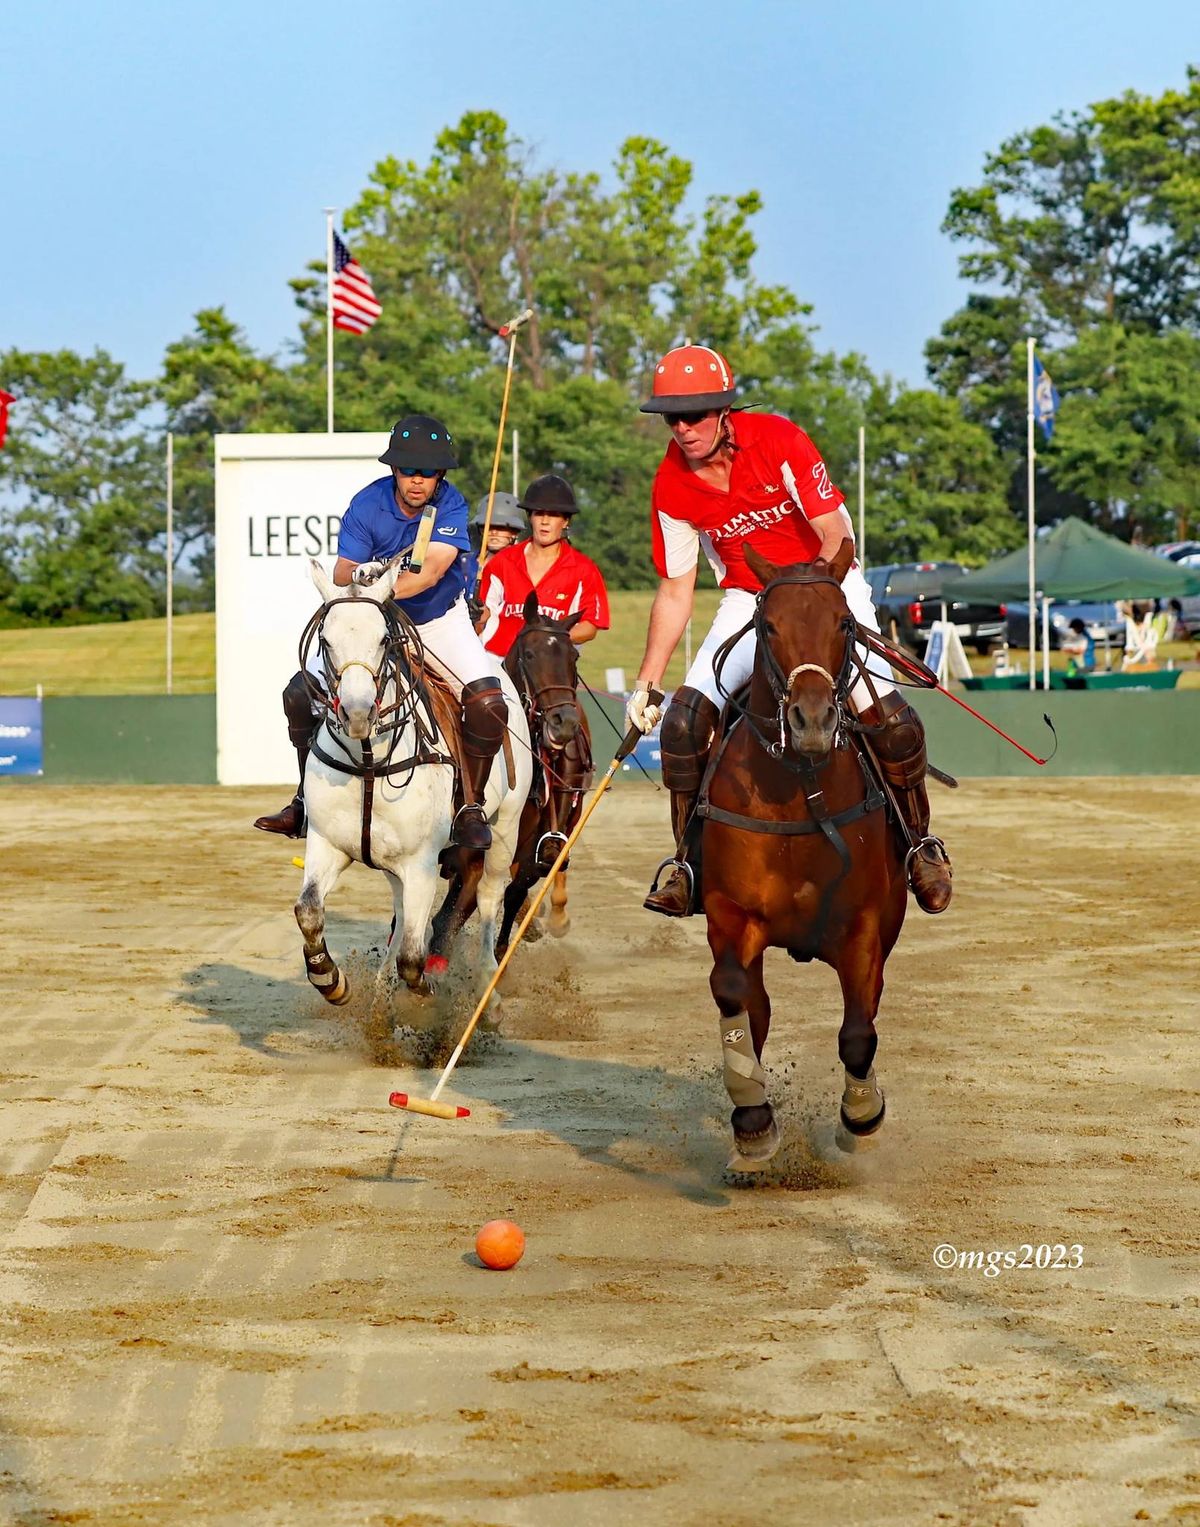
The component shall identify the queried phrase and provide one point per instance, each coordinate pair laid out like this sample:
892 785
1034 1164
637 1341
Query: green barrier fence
136 739
161 739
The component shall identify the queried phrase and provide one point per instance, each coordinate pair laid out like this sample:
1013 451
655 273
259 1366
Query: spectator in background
1141 639
1081 646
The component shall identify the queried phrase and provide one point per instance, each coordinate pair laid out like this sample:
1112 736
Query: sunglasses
692 418
418 471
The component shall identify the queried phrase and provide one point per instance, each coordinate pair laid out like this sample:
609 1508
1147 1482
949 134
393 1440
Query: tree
1128 439
935 483
1090 228
214 383
82 512
1093 218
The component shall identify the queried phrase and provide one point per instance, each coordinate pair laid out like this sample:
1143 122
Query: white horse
377 719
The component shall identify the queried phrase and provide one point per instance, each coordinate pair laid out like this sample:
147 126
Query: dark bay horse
542 663
798 851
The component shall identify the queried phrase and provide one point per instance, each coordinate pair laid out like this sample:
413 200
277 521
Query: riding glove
641 712
367 572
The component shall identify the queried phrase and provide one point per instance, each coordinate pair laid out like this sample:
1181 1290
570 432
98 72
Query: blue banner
1045 398
20 736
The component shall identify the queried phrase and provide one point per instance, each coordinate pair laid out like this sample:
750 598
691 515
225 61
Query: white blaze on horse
379 785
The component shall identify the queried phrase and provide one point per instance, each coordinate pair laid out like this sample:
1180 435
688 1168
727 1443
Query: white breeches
455 650
737 609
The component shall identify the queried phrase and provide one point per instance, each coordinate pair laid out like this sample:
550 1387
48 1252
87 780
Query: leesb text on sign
293 535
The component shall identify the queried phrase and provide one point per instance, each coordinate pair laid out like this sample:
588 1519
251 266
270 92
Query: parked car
912 594
1102 621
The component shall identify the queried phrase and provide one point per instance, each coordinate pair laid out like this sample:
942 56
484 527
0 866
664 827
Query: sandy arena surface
238 1289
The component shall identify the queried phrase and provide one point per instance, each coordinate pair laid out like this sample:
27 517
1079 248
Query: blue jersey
374 530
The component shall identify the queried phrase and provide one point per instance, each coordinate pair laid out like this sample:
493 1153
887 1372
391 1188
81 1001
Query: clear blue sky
160 158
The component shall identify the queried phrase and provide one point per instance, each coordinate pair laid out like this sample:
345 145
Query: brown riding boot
687 733
297 707
485 716
900 752
676 896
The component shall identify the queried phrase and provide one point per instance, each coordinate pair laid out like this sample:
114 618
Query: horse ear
569 620
843 557
763 570
324 583
531 608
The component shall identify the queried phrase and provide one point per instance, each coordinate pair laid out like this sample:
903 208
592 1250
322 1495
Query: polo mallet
507 331
431 1105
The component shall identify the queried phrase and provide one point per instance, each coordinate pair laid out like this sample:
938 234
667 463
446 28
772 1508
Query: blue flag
1045 398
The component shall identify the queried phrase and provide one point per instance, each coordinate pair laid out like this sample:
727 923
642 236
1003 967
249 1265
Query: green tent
1077 561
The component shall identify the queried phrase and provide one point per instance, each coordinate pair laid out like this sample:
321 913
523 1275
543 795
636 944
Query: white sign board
279 501
944 652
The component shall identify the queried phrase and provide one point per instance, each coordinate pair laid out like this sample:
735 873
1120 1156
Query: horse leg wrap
745 1079
326 977
862 1100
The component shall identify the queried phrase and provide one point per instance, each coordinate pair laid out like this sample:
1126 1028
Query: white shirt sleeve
493 602
681 544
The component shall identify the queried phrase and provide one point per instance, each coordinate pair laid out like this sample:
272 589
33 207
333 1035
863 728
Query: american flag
355 307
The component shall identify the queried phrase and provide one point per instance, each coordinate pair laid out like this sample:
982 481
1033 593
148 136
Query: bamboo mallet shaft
631 739
509 329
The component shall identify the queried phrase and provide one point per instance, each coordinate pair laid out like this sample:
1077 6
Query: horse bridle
401 639
781 683
536 699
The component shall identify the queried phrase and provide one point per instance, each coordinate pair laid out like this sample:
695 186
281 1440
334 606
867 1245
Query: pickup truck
911 595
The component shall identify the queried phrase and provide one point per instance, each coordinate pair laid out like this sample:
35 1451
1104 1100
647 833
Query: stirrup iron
675 864
555 842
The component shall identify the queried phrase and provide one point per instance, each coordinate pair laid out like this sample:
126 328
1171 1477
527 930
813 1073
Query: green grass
129 657
121 658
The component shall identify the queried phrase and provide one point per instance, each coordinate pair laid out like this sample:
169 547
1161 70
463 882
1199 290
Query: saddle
446 711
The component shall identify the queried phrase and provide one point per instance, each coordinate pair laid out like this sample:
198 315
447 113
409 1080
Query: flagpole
862 496
1031 454
170 560
329 211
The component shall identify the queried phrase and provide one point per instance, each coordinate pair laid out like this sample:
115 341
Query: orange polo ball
500 1244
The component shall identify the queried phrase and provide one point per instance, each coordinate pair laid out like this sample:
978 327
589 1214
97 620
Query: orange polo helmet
691 379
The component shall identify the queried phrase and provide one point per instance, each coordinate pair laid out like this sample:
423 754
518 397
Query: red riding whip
925 678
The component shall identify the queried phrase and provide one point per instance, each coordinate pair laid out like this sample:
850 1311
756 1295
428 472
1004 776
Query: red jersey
572 582
777 483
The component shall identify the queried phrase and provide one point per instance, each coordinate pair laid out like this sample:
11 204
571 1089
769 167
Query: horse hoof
559 928
851 1138
861 1128
752 1152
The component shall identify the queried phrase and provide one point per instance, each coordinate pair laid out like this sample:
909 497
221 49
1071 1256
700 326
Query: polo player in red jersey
731 479
563 579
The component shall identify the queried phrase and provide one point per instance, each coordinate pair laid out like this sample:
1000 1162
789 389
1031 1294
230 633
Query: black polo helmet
549 494
506 513
420 440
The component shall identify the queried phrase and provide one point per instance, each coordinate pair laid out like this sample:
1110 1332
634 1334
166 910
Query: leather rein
401 666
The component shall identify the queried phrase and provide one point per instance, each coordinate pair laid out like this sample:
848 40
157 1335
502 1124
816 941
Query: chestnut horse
798 850
542 663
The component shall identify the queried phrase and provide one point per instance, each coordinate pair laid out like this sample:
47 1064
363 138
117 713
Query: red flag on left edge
355 306
5 399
